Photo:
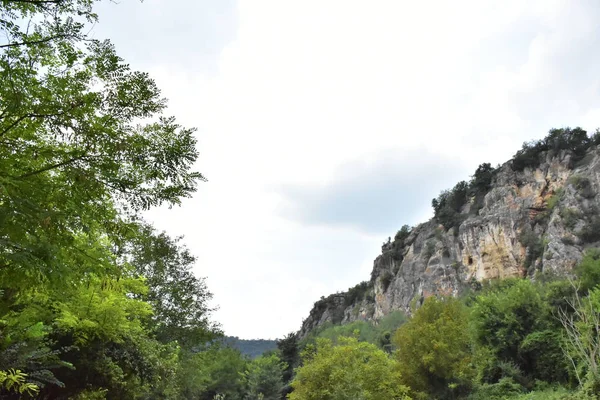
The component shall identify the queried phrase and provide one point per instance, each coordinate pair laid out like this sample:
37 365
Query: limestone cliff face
537 220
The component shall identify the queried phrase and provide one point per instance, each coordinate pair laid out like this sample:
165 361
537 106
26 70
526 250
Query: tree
289 353
264 378
350 370
178 298
84 147
513 324
434 349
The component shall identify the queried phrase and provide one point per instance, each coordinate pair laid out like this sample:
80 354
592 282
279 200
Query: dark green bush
448 205
400 242
574 140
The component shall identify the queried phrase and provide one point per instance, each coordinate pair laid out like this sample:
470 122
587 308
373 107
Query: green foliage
588 271
535 246
574 140
481 180
429 250
448 205
93 303
250 347
357 293
350 370
289 353
400 242
264 378
513 324
178 298
15 381
434 349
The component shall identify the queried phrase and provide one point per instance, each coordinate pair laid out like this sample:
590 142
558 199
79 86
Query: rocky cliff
536 220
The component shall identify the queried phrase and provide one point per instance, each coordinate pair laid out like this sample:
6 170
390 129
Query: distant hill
251 347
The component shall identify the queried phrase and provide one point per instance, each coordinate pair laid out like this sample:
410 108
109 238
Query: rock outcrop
539 220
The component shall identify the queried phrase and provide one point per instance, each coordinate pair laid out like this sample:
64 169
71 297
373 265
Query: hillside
250 347
536 213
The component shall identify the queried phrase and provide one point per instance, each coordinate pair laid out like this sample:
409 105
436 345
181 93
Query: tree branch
53 166
32 42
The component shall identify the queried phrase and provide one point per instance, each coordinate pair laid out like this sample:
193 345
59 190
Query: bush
429 250
400 242
356 293
535 247
434 349
574 140
448 205
350 370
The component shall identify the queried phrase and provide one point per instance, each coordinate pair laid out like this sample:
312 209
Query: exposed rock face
529 222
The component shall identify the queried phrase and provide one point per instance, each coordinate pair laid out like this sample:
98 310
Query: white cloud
298 90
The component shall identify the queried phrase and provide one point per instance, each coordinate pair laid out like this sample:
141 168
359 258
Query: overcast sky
324 126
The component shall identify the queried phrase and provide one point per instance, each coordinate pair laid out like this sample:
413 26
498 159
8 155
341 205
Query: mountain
250 347
535 214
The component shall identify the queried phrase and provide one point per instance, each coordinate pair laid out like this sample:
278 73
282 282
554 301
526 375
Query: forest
95 303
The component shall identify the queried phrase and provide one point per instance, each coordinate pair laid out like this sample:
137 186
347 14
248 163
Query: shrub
356 293
434 349
448 205
429 250
535 247
574 140
350 370
400 242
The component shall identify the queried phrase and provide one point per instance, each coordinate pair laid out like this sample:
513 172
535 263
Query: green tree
514 325
433 349
264 378
350 370
178 298
289 352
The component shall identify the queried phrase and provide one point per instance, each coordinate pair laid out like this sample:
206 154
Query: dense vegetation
448 206
251 347
94 302
515 339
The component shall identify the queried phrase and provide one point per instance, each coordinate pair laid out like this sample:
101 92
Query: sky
324 126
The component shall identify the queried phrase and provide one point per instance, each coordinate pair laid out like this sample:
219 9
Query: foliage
400 241
434 349
264 378
481 180
513 324
448 205
93 302
535 246
350 370
429 250
14 381
574 140
250 347
178 298
289 353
